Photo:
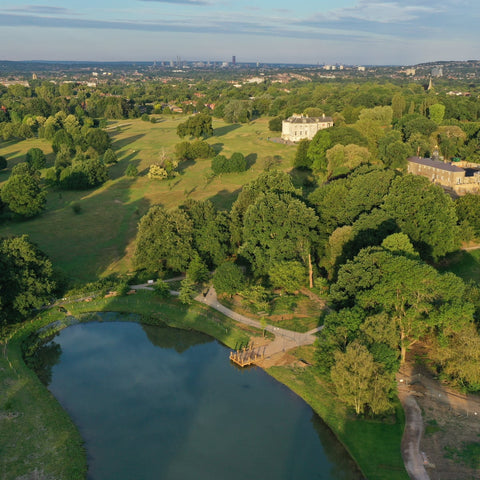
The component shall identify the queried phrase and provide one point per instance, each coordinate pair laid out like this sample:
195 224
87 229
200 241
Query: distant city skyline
374 32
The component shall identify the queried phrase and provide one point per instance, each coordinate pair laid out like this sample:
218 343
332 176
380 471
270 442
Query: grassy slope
42 436
100 240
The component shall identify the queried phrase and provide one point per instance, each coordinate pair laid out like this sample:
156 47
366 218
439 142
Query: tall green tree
278 227
164 240
23 194
425 213
27 279
360 381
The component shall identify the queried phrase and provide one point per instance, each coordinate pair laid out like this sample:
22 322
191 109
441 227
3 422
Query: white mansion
298 127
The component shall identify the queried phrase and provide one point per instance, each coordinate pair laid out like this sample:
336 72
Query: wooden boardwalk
246 356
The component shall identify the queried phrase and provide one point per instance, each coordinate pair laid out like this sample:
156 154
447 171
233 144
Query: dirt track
448 418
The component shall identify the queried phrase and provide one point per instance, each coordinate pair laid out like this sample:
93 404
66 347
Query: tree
199 125
458 356
278 227
3 163
84 174
197 270
187 291
36 158
288 276
417 299
237 162
228 279
23 194
468 212
238 111
360 382
275 124
425 213
164 240
62 137
99 140
302 160
436 113
342 159
27 279
162 288
271 181
109 157
317 150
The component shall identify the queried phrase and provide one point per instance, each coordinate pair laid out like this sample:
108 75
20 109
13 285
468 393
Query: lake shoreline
192 317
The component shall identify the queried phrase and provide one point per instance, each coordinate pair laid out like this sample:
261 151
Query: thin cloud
41 9
213 27
182 2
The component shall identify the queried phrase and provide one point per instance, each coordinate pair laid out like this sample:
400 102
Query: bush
193 150
236 163
109 157
131 170
219 164
83 175
275 124
77 209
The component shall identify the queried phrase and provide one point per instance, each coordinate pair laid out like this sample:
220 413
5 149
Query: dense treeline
370 233
366 230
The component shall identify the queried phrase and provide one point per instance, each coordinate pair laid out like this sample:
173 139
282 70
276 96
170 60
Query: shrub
275 124
131 170
109 157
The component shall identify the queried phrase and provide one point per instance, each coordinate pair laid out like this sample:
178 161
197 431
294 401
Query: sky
351 32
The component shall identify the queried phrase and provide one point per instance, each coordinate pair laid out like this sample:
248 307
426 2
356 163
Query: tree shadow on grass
183 165
220 131
251 160
118 144
217 147
118 170
223 200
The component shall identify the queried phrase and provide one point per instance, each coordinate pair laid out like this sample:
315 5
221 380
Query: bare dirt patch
450 418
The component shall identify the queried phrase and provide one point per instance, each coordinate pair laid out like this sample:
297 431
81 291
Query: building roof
302 119
430 162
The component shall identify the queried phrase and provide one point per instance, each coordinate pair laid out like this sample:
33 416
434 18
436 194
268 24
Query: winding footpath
286 340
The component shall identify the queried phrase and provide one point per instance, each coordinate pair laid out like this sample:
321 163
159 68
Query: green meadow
100 239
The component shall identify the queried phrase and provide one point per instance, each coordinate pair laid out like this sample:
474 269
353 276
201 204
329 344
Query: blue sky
305 31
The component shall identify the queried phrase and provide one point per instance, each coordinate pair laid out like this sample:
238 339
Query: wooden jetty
246 356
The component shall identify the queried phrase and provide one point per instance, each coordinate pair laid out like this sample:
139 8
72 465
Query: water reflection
153 413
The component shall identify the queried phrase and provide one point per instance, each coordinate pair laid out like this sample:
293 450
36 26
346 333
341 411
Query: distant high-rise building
234 60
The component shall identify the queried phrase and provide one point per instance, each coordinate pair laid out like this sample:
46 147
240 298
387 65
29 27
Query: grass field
100 240
465 264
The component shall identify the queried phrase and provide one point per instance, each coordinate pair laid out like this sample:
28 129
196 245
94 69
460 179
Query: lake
167 404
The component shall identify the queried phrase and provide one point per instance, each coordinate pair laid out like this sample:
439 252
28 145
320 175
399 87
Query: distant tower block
234 60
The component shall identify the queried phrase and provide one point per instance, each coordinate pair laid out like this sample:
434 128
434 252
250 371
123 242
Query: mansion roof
430 162
304 119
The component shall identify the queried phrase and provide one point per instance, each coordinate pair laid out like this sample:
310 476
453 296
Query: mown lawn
465 264
100 239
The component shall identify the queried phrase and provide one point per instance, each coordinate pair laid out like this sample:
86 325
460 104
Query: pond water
166 404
